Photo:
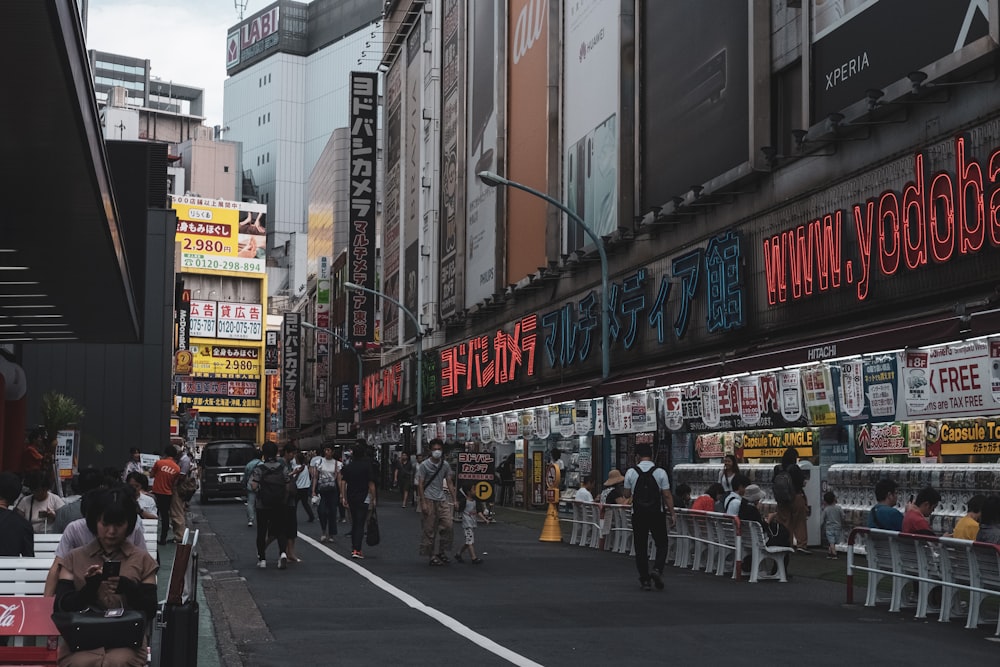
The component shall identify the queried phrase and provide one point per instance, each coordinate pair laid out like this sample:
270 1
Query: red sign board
26 616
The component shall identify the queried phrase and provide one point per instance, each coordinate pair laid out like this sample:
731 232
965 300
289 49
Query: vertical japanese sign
184 320
451 72
361 260
323 341
290 364
271 353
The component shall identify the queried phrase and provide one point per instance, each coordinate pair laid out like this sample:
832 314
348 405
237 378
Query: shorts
833 537
470 535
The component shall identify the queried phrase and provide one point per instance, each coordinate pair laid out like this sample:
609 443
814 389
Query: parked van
222 464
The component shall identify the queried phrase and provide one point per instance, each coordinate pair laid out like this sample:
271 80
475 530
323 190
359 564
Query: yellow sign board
226 360
220 235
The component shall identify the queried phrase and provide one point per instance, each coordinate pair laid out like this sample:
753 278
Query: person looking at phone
40 507
108 573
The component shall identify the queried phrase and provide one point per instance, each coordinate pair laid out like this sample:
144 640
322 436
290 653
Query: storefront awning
225 421
247 421
205 419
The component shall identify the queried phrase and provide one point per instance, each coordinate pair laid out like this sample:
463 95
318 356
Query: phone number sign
220 393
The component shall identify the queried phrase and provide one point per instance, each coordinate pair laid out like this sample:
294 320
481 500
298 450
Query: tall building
288 67
144 90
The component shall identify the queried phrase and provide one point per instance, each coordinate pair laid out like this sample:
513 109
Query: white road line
447 621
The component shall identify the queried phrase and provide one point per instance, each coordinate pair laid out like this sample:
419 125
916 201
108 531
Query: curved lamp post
346 344
493 180
420 355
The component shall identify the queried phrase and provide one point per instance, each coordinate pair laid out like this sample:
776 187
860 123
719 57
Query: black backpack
784 489
272 487
646 496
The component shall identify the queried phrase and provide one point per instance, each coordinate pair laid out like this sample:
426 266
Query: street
533 603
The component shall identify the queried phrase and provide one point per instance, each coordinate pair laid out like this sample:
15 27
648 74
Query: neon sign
930 219
489 360
384 388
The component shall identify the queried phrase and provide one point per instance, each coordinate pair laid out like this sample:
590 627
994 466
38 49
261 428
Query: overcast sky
184 40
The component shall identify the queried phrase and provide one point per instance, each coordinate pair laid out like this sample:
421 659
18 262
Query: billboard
361 254
591 63
852 52
527 135
392 241
252 38
413 122
481 153
291 365
695 108
222 319
211 360
220 235
452 71
322 338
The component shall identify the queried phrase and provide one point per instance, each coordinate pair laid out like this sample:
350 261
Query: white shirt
584 495
147 504
660 475
732 504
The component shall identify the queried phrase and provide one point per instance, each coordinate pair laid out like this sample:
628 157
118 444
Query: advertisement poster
750 400
819 399
616 420
883 439
542 422
221 235
790 395
866 388
511 425
916 389
462 430
477 472
916 439
584 418
567 426
967 437
481 429
995 369
772 444
499 428
67 453
673 417
709 445
956 382
451 430
211 360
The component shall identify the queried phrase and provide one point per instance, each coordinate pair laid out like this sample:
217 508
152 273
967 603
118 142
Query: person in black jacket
17 538
793 515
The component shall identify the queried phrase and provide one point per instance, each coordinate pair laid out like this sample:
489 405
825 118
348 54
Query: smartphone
112 568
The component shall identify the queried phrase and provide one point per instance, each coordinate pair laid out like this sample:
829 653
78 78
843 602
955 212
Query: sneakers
250 524
832 557
283 561
644 585
262 563
324 538
357 555
657 580
343 520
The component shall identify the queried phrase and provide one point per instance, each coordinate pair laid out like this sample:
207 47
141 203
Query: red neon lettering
942 206
792 251
970 176
826 240
774 270
863 229
888 233
994 170
914 247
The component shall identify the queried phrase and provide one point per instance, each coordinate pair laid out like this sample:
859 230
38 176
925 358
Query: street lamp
420 356
493 180
347 345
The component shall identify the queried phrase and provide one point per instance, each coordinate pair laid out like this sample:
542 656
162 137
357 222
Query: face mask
437 453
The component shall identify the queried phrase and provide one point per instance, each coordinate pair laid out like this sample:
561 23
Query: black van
222 464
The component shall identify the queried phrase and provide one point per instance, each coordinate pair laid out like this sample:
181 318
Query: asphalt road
536 603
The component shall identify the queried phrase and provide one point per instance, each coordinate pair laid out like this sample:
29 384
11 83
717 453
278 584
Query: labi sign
933 218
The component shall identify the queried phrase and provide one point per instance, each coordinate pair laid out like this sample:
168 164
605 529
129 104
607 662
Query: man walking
270 482
436 504
165 473
357 493
649 488
251 494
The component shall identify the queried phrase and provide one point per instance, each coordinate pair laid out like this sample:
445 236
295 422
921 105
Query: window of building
268 116
225 169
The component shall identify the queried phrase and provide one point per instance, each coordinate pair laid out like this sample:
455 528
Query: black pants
329 501
645 524
163 512
304 496
359 515
271 522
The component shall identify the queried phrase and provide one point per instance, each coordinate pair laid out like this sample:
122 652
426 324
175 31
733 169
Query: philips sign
253 37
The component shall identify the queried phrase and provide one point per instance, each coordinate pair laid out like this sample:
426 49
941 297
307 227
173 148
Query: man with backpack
270 481
649 489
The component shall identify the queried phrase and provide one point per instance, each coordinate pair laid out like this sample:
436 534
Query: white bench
709 541
24 576
757 548
45 544
586 522
924 563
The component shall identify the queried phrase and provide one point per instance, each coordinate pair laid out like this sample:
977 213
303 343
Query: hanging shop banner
995 369
709 445
526 423
724 401
958 384
291 352
750 400
512 427
772 444
673 416
476 472
599 418
441 430
710 405
916 438
462 429
450 430
564 420
969 437
883 439
819 395
499 427
642 409
475 429
619 415
916 389
790 393
583 419
543 423
866 388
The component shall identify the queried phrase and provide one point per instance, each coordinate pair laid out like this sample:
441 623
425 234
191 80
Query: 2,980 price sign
240 329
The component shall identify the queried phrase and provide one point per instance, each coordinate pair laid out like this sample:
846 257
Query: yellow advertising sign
226 360
221 235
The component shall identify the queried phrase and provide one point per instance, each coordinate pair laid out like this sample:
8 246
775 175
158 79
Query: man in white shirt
648 487
584 494
735 497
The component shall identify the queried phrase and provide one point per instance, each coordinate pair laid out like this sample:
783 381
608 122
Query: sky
184 40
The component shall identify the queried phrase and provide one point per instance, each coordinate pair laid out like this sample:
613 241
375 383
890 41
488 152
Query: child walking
472 512
833 524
